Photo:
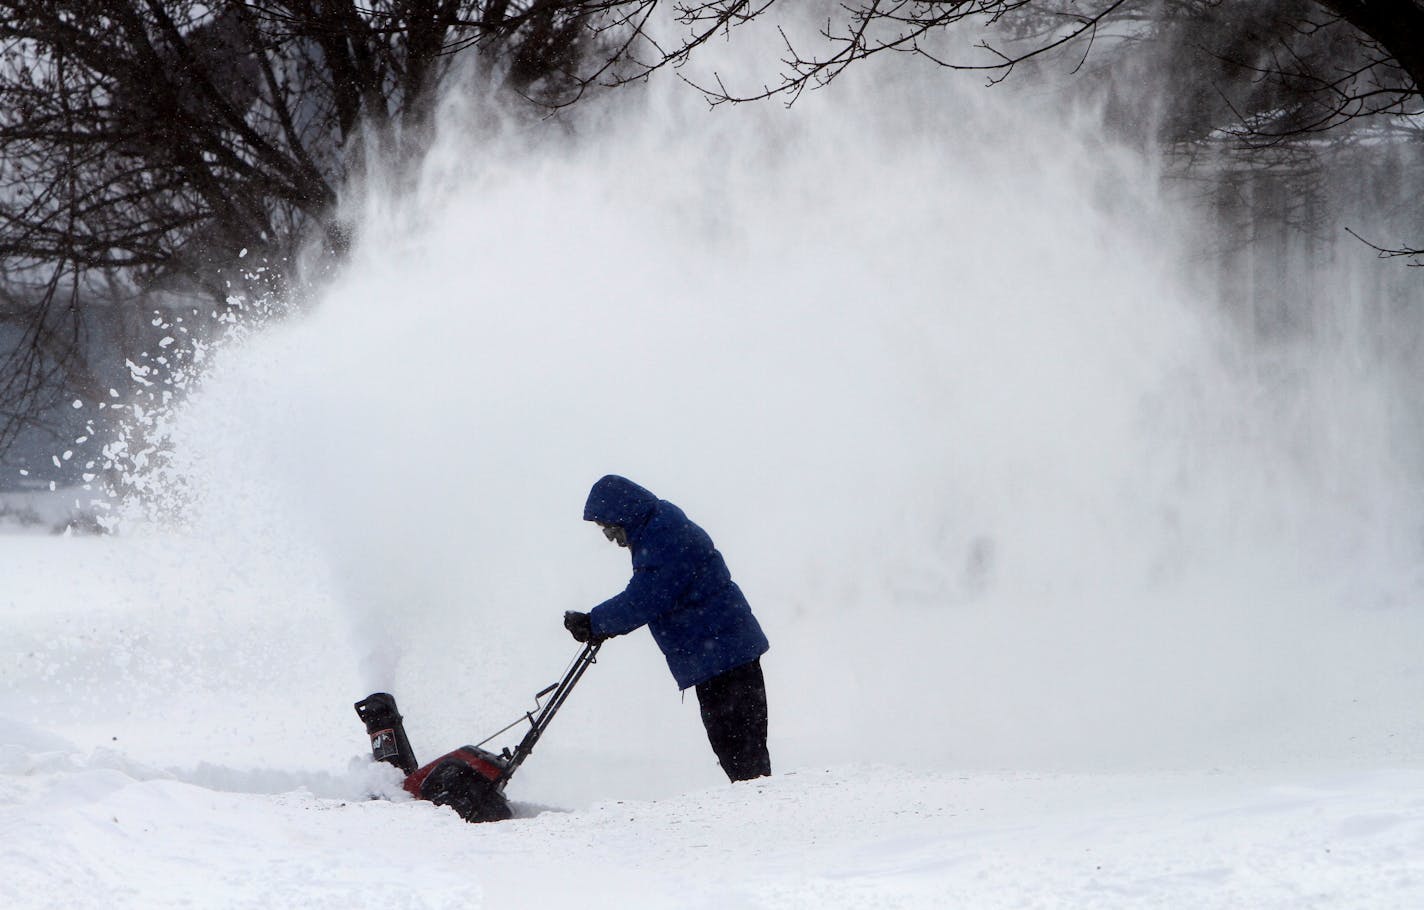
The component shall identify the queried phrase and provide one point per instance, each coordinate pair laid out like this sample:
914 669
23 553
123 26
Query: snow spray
933 367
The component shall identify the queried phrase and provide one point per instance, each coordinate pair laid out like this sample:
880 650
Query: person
682 591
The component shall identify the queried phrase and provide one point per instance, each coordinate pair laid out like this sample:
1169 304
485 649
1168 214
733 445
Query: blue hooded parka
681 588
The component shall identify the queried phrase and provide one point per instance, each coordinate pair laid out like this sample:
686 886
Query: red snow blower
470 780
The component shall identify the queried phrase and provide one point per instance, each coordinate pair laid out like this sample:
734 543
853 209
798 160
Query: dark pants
734 712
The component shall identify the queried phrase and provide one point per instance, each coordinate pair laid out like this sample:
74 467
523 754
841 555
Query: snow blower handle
561 690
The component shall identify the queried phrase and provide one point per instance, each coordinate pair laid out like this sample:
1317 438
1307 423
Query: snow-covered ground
1077 596
97 831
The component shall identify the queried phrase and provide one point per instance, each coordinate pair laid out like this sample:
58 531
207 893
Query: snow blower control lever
470 779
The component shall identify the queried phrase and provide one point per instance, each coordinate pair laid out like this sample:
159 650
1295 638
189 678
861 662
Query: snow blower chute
470 779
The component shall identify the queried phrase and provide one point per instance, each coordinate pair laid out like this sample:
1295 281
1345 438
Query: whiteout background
1007 491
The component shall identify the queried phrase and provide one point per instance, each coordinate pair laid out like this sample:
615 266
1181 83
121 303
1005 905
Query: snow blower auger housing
471 779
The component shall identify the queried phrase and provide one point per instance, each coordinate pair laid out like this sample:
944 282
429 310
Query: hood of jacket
619 501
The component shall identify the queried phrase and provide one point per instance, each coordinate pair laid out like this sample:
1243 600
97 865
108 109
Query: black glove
579 625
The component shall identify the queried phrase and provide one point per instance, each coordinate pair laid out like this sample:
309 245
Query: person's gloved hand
579 625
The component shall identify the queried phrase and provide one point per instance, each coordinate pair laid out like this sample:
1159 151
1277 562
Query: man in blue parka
681 590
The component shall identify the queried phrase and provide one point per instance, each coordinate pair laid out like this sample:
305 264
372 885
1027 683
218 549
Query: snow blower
471 779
